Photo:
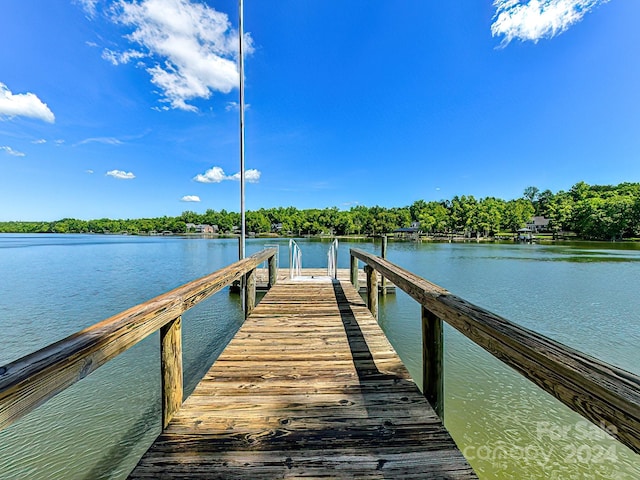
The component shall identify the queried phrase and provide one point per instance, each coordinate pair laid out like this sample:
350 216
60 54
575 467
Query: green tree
257 222
517 213
489 215
559 211
531 193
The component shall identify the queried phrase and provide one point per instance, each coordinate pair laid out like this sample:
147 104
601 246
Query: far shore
503 237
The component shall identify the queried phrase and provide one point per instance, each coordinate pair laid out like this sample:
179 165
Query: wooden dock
308 388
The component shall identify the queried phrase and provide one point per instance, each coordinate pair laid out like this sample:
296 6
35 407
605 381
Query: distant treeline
601 212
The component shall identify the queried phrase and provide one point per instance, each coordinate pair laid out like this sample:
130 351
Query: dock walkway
262 279
308 388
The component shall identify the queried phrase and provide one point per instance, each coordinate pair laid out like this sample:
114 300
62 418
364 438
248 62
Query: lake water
583 295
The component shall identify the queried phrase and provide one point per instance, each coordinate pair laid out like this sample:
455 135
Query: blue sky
128 109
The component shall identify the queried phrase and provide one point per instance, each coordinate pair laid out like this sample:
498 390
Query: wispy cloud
190 198
121 174
235 107
90 172
11 151
217 175
188 48
40 141
23 105
105 140
119 58
536 19
89 6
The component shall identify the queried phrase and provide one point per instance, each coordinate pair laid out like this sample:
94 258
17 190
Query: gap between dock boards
308 387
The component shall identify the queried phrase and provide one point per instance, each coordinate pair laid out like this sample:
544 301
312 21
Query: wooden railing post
432 361
171 368
354 272
383 254
249 292
372 290
273 271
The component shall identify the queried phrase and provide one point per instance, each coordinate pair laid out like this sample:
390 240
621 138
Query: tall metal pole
242 179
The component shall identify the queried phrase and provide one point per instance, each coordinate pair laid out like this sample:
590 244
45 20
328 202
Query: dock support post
432 361
171 369
383 254
249 292
273 271
372 290
354 272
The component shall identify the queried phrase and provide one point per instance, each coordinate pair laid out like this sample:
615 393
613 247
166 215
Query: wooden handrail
606 395
33 379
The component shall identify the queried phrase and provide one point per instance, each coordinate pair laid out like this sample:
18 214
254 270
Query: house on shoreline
201 228
538 224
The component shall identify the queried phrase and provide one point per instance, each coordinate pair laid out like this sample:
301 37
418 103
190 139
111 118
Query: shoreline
502 239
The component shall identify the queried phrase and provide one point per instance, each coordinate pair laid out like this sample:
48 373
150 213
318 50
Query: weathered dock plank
308 388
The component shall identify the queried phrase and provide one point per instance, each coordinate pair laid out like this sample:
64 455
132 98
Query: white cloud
24 105
190 198
39 141
538 18
89 6
213 175
119 58
11 151
120 174
188 48
251 176
217 175
90 172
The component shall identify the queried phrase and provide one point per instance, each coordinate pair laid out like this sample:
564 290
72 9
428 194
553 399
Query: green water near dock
583 295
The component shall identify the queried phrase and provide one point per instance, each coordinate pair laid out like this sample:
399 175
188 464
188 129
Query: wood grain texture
353 272
273 272
433 361
249 292
32 380
383 254
606 395
171 368
308 388
372 290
